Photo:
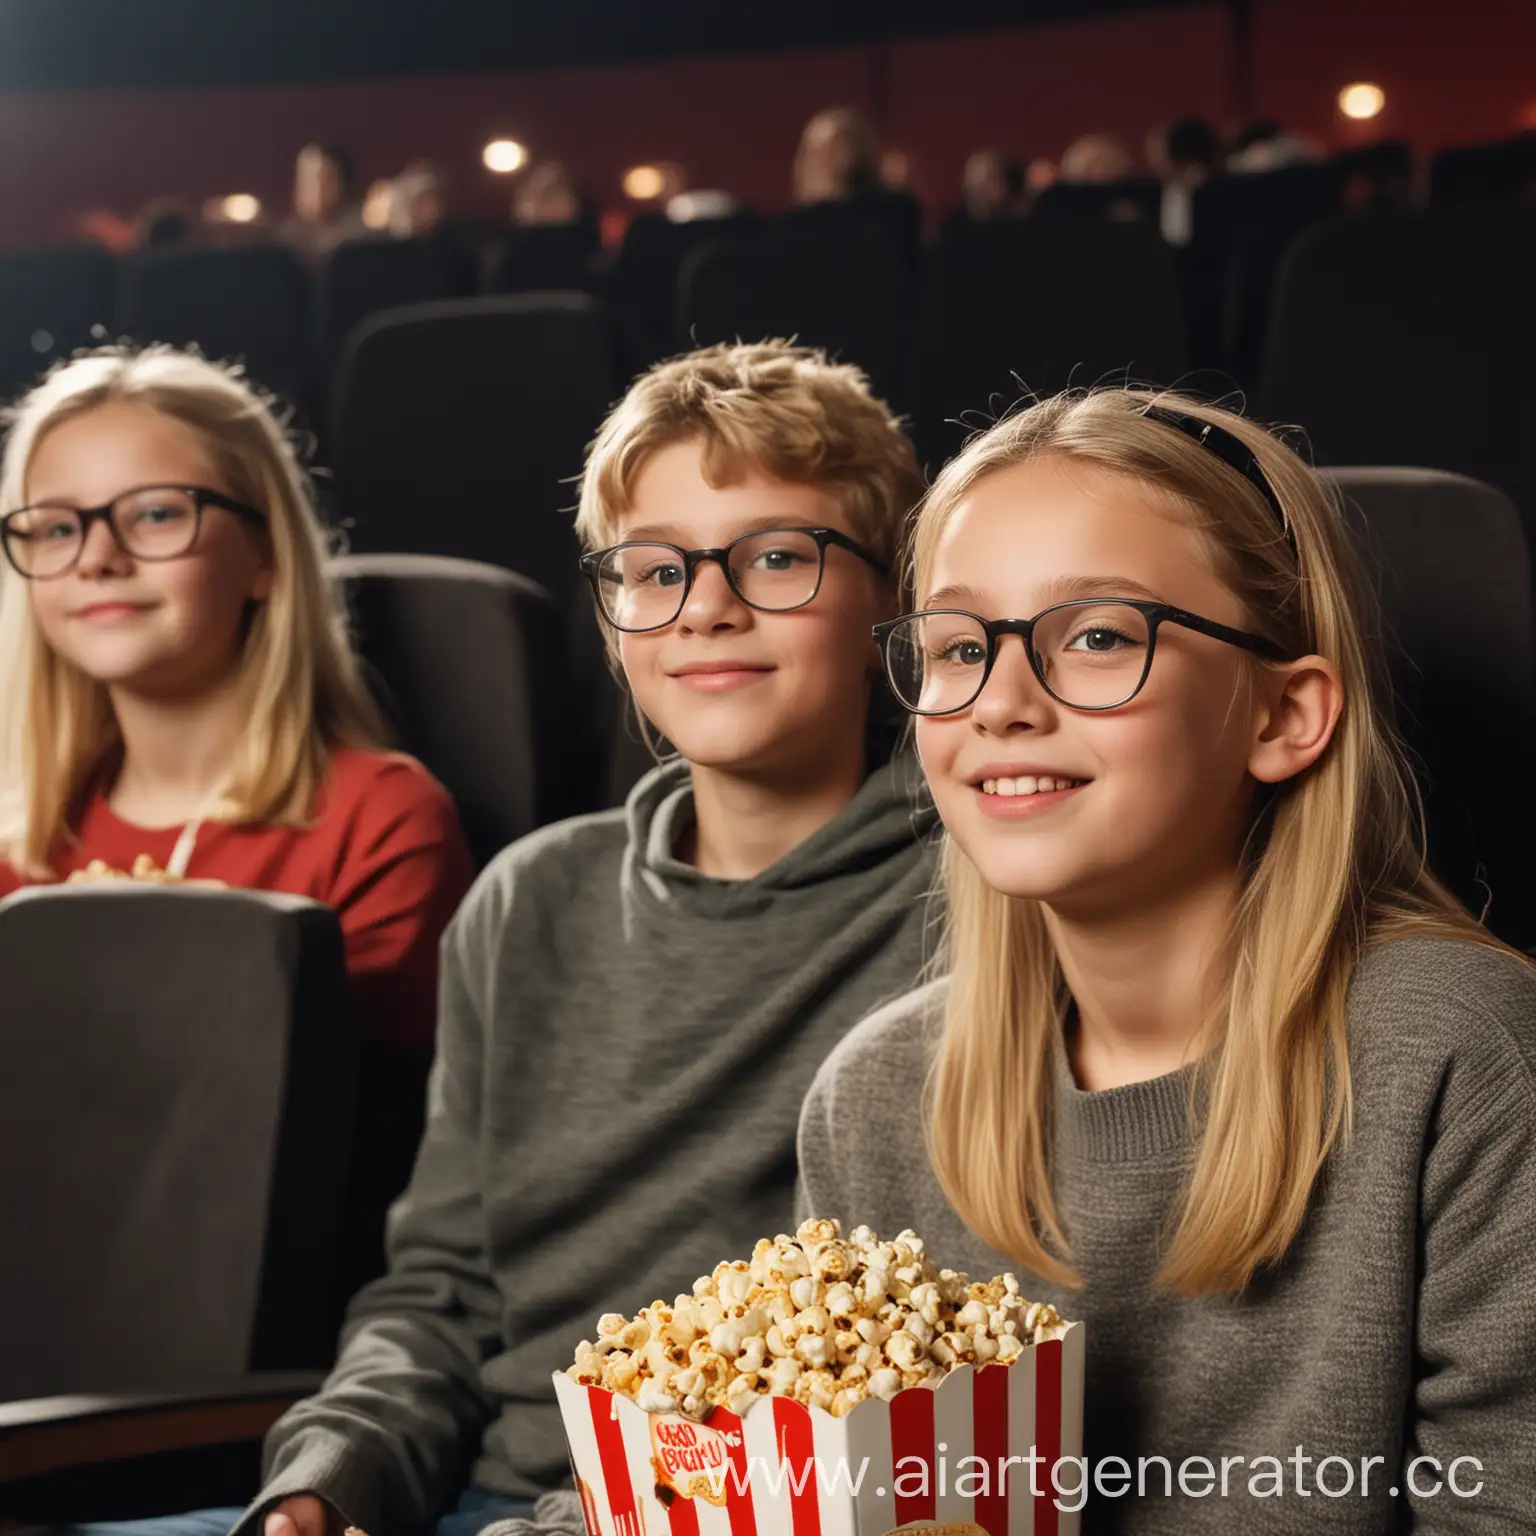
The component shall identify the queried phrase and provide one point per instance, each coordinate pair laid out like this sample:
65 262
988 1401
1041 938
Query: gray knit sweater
624 1045
1401 1324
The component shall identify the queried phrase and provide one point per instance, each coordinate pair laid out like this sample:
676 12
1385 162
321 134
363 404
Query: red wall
1033 90
1455 71
733 122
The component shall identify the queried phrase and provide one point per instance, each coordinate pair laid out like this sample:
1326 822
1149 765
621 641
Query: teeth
1028 784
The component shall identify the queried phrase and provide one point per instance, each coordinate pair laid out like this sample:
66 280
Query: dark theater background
428 245
109 106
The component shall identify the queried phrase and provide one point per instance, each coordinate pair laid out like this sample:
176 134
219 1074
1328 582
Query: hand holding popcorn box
829 1388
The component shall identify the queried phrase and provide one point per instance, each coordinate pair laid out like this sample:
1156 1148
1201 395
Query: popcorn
816 1317
144 868
815 1349
782 1376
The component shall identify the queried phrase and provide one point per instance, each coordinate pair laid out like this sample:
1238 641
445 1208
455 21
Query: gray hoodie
623 1048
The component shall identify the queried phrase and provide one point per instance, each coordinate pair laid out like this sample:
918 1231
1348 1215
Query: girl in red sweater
177 692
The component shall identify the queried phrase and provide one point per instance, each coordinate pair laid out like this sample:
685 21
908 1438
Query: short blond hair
785 411
304 688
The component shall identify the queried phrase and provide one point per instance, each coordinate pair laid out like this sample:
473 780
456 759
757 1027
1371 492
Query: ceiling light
240 208
504 156
1362 100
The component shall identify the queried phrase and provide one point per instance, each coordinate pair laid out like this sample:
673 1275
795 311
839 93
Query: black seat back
473 666
1452 570
1240 227
175 1124
1039 306
1376 175
1135 197
544 258
250 303
642 283
364 276
49 302
1406 338
1503 172
459 429
835 277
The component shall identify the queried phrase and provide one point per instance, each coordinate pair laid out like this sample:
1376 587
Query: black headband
1230 450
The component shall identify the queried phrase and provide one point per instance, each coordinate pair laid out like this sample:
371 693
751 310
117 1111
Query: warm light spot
1362 100
504 156
643 182
240 208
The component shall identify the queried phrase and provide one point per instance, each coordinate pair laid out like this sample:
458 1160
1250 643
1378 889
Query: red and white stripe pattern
795 1466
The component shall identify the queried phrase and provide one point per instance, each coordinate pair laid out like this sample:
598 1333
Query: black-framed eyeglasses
1090 653
150 522
643 585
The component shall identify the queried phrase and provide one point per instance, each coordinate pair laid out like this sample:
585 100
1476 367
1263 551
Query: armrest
57 1434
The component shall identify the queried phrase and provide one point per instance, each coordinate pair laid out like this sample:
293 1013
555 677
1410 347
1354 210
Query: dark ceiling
72 44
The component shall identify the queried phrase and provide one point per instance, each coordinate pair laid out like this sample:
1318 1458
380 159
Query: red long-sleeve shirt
384 850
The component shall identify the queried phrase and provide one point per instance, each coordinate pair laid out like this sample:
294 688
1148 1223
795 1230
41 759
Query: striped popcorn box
975 1456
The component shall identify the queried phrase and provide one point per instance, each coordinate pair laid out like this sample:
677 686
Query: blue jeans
475 1510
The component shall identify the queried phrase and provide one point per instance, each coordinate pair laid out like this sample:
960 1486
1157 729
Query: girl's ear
1304 701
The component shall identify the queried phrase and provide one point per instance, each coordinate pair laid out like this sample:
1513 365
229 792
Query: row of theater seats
178 1118
1239 225
259 301
1398 338
458 426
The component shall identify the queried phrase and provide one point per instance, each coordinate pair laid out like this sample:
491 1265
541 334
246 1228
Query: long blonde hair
303 690
1334 860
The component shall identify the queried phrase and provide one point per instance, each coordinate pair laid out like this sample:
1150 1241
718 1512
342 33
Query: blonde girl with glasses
1218 1065
177 692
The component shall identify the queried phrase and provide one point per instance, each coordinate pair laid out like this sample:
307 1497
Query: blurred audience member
1096 157
1182 156
106 228
1187 149
994 187
839 162
548 194
418 202
896 170
702 203
167 221
325 205
1038 175
377 203
1262 145
838 157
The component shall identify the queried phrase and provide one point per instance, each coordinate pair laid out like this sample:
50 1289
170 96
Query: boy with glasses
635 1002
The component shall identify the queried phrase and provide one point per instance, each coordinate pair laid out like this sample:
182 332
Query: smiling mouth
717 669
1028 784
111 610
